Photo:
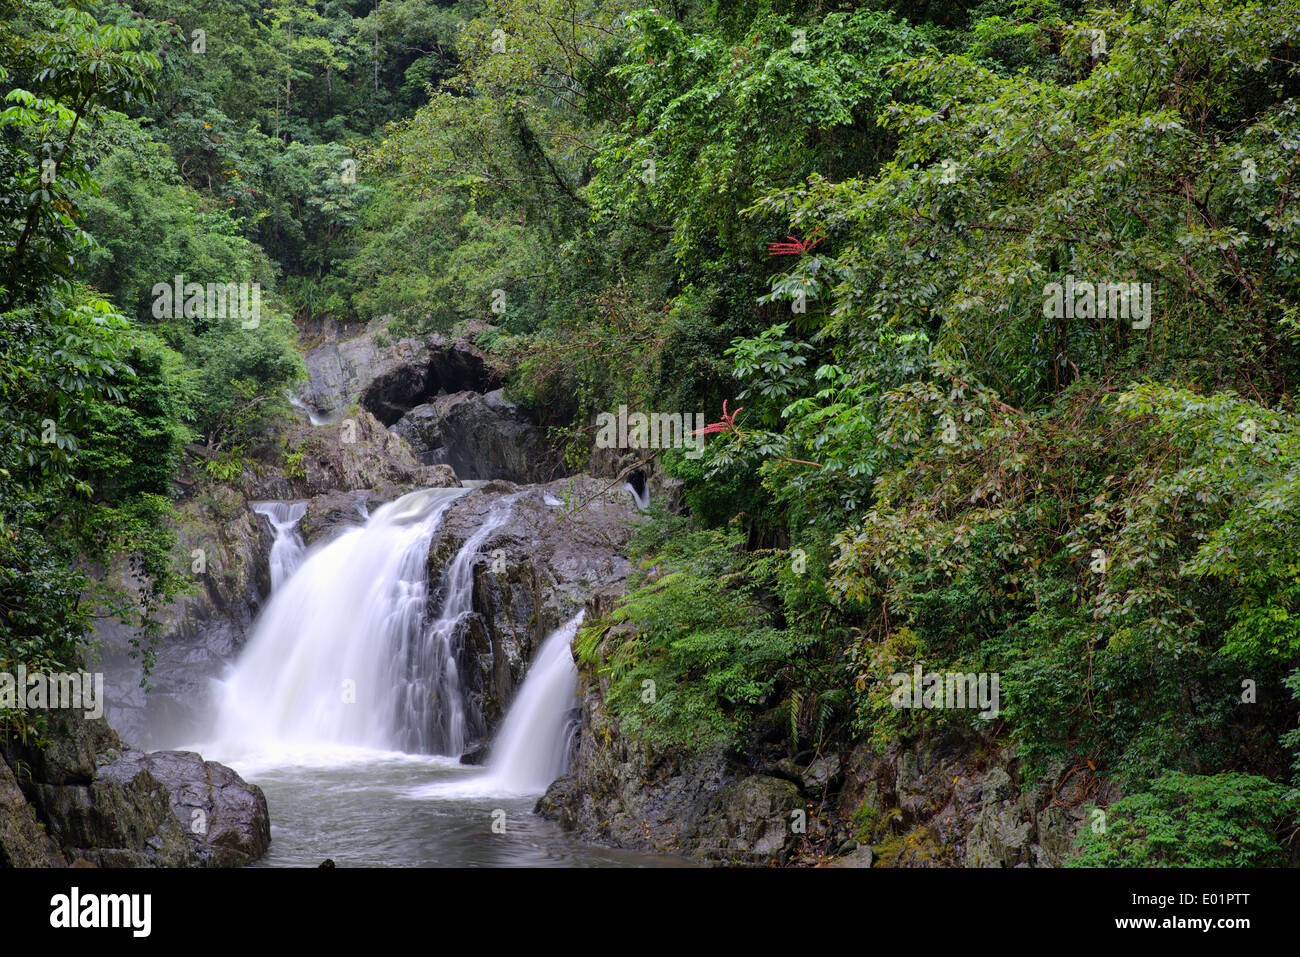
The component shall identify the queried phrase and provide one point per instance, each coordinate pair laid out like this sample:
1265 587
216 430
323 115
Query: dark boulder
94 802
480 436
224 817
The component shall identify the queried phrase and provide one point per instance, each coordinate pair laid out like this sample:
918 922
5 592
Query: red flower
794 247
728 423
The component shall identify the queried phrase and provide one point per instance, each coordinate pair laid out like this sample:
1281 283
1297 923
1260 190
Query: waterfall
314 417
532 748
287 549
341 657
640 495
337 638
437 722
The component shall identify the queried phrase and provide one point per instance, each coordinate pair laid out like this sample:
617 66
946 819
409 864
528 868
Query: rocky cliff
945 801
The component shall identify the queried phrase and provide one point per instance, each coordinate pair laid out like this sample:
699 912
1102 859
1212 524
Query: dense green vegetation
1184 820
925 459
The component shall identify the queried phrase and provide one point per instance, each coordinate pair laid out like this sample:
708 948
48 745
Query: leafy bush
701 653
1192 820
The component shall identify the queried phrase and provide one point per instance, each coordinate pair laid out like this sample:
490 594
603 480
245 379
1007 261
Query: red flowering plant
726 424
795 247
767 443
804 280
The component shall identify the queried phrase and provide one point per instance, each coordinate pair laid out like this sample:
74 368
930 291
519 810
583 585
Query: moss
919 847
870 822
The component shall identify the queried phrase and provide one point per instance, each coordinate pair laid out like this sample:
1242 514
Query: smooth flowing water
335 641
532 748
639 495
314 417
287 549
347 709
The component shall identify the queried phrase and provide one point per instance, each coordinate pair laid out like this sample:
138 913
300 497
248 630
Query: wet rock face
219 534
480 437
934 804
668 800
562 541
421 427
387 377
341 369
756 817
100 803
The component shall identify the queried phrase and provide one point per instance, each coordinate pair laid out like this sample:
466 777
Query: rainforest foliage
1001 298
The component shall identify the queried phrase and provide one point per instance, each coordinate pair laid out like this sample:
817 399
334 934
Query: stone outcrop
224 817
23 840
356 452
481 436
441 394
82 798
949 800
562 541
447 367
388 377
700 805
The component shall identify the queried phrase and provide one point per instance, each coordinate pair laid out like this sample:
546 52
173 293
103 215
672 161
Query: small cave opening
453 369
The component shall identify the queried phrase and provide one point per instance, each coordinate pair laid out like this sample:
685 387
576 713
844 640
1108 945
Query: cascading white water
341 658
336 639
437 723
532 748
314 417
640 496
287 549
